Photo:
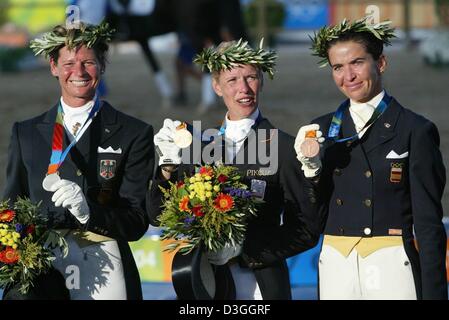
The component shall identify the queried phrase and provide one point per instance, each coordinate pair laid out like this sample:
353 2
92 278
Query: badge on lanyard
258 188
396 172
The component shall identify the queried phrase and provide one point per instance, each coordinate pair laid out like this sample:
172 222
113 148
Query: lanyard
57 155
335 126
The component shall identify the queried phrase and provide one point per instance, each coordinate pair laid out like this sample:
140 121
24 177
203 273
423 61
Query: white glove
169 152
310 166
70 196
222 256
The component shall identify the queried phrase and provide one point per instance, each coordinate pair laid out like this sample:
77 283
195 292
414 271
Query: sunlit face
239 87
355 72
78 72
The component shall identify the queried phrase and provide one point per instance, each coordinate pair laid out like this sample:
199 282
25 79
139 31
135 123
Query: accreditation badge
396 172
258 188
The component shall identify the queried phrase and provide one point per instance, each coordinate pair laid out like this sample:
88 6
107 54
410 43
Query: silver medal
49 181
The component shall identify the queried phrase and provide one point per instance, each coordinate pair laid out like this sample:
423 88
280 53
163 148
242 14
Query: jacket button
368 174
367 231
79 173
367 202
339 202
342 231
337 172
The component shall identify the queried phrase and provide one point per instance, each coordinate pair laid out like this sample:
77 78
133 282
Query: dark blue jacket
372 192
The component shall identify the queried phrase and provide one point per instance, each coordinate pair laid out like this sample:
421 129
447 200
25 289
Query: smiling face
78 72
355 72
239 87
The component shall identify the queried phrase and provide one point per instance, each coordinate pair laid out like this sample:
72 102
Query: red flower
223 202
222 178
206 171
7 215
180 184
30 229
9 255
184 204
197 210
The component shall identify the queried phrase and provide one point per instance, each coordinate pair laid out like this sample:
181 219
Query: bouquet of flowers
25 244
212 207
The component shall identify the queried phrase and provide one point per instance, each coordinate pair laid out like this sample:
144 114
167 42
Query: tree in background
264 19
442 8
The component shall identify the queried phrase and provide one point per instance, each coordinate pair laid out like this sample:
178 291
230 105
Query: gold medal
183 138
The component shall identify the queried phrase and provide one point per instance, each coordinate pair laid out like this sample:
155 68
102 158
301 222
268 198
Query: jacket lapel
383 129
102 128
45 128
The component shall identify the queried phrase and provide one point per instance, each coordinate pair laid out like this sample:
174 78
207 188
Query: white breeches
385 274
94 272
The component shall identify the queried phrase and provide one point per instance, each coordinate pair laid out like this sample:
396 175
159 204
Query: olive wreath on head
85 34
236 53
320 41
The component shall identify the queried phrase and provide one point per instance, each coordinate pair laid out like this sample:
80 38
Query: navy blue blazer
390 183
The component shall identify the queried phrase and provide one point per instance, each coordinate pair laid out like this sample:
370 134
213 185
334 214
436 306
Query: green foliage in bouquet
211 207
25 244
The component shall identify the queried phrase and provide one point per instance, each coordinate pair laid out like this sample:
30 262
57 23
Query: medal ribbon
335 126
57 155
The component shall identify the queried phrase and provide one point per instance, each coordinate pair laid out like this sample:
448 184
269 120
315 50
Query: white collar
71 111
237 130
373 103
245 122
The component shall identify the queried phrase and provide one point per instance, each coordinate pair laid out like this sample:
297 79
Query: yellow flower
216 188
10 242
3 232
208 187
207 178
3 240
208 194
192 180
14 246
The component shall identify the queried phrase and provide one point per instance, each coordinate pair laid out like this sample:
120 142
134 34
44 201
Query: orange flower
9 255
205 171
7 215
184 204
223 202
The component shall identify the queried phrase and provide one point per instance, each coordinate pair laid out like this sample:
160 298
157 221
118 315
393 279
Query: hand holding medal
307 147
310 146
